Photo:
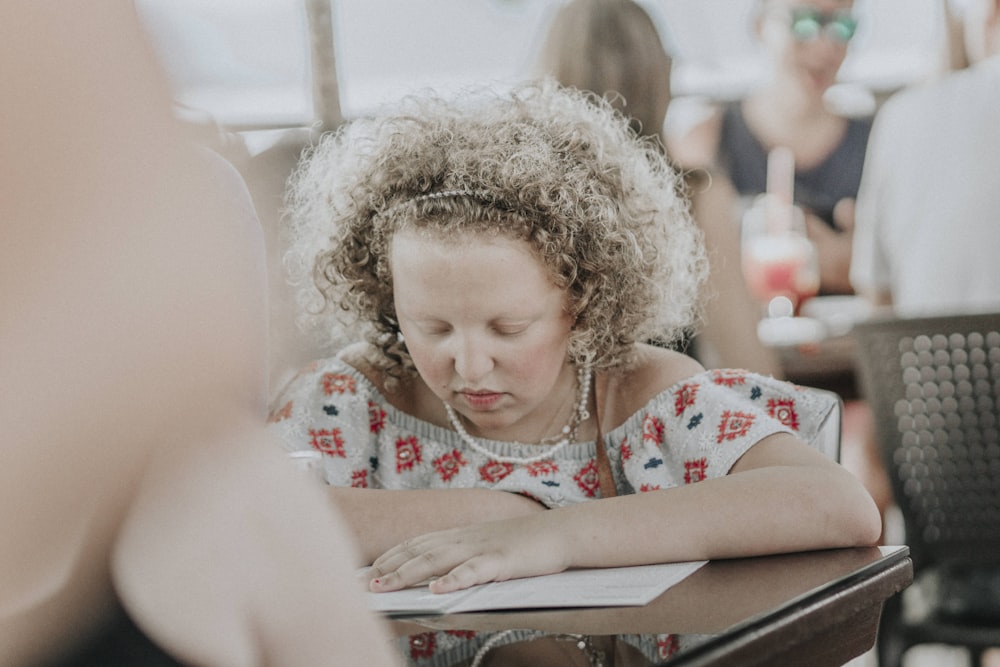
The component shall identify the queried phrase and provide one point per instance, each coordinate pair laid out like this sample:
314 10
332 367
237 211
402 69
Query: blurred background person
807 43
928 213
614 49
147 518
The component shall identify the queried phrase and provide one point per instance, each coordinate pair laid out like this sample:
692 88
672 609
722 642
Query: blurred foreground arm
133 331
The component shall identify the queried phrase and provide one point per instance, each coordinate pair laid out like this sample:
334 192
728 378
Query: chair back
827 437
933 384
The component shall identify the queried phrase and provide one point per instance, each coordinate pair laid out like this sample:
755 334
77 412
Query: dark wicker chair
934 388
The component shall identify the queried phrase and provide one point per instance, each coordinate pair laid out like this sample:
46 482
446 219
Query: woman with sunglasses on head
807 43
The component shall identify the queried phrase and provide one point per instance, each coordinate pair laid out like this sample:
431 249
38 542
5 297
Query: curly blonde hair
552 166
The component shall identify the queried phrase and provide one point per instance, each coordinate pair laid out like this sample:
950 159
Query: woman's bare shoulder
659 368
360 357
655 370
411 396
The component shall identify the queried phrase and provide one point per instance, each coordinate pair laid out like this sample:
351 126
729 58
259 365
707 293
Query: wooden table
814 608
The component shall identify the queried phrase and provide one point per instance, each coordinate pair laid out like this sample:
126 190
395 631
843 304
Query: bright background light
246 61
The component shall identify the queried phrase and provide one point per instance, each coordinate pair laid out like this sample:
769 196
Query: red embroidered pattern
538 468
626 450
422 645
649 487
359 479
337 383
728 378
407 453
734 425
684 398
449 465
784 411
376 417
666 646
494 471
283 413
588 480
328 441
695 471
652 430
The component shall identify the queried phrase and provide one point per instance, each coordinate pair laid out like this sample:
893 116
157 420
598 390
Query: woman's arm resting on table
381 519
780 496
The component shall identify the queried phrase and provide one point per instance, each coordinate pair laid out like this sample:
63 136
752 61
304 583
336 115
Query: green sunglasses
808 24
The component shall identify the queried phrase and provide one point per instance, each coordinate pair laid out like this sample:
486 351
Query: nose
827 45
473 358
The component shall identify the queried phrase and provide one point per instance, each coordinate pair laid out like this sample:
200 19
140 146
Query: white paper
597 587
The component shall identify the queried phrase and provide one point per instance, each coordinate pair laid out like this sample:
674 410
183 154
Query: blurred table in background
818 349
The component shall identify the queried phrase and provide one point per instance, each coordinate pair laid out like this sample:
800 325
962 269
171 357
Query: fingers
457 558
843 214
413 562
446 564
475 571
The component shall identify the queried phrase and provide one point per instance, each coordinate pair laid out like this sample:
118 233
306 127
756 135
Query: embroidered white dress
694 430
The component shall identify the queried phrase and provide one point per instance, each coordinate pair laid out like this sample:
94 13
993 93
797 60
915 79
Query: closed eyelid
433 327
439 327
509 328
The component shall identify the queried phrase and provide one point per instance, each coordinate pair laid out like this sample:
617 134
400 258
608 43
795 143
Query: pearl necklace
580 415
585 643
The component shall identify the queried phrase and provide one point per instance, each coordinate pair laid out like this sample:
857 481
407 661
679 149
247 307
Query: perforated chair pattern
933 384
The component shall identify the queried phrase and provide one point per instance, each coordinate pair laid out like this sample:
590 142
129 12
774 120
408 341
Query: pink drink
780 265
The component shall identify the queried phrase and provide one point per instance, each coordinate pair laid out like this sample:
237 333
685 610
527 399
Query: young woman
806 43
501 258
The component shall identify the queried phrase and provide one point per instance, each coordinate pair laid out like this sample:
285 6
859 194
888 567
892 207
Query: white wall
248 59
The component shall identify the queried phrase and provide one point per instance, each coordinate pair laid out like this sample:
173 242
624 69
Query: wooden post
325 90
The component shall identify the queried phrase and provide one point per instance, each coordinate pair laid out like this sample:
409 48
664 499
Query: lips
481 400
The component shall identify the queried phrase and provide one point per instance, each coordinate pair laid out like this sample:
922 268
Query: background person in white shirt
927 223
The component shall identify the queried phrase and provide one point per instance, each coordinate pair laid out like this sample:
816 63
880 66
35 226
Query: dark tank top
817 189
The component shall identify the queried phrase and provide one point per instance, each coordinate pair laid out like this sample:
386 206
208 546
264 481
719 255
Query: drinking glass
778 259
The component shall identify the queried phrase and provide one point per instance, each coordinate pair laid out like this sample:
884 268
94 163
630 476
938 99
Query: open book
598 587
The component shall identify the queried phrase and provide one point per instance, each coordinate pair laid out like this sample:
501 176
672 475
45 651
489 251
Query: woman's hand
461 557
833 247
381 518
